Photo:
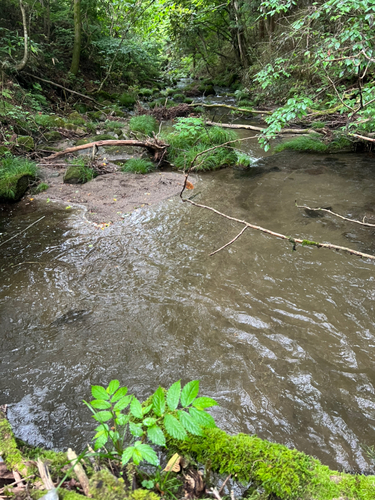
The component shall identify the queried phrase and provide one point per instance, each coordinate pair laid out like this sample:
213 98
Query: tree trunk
22 64
77 37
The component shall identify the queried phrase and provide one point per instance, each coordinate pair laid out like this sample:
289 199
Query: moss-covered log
278 470
8 447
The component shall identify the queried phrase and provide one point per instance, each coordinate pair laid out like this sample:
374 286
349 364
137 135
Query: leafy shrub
143 123
243 159
162 415
138 166
145 92
212 160
11 170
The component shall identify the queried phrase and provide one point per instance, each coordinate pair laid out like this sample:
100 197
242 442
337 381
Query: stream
282 340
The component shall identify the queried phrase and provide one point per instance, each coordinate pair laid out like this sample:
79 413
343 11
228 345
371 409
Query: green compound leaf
122 419
202 403
103 416
148 422
113 386
127 455
136 408
158 401
136 429
100 442
174 427
100 404
202 418
189 423
146 452
189 392
173 395
122 403
119 394
156 435
98 392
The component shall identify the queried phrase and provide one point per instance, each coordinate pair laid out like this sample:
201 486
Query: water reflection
283 340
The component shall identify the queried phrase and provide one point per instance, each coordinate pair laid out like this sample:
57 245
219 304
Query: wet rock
73 175
26 142
71 316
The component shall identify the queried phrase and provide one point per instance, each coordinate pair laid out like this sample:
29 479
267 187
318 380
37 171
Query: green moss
138 166
15 174
52 136
41 187
143 495
207 89
178 97
26 142
63 494
76 118
127 100
188 100
145 92
143 123
97 116
8 447
79 173
278 470
105 486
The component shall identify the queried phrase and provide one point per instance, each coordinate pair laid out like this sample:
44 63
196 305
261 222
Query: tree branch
226 106
230 242
22 64
367 224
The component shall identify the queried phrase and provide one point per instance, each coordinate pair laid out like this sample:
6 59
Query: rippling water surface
283 340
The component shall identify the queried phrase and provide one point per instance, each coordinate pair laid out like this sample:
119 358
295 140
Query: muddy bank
108 198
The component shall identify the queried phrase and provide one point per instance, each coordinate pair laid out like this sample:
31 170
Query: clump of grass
43 186
303 144
191 136
127 100
11 170
78 167
243 159
138 166
143 123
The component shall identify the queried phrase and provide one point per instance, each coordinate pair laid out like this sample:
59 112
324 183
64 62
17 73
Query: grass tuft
138 166
143 123
11 170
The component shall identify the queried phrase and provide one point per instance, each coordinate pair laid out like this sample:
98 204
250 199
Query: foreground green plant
173 414
138 166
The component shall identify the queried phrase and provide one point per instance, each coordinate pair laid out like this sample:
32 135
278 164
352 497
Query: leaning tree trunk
77 37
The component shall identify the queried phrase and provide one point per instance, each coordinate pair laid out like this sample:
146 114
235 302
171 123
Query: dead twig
227 245
21 480
224 483
28 227
367 224
78 469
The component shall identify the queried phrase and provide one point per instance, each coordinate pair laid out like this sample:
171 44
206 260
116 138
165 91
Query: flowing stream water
283 340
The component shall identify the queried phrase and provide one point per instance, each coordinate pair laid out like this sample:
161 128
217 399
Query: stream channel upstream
284 341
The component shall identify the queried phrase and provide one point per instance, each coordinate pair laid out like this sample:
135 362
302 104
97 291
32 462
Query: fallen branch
294 241
64 88
261 129
156 146
28 227
227 106
336 215
78 469
363 137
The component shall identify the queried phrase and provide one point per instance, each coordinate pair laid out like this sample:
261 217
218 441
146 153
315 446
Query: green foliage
190 137
176 414
43 186
127 100
305 144
79 170
143 123
294 109
11 170
243 159
138 166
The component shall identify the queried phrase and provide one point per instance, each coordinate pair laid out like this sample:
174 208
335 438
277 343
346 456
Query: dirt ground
109 197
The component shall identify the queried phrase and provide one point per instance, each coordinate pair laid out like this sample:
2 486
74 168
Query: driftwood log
155 146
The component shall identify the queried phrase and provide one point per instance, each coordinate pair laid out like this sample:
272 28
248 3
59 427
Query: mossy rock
18 185
75 128
52 136
105 486
97 116
26 142
80 107
73 175
94 138
207 89
76 118
63 494
179 97
188 100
